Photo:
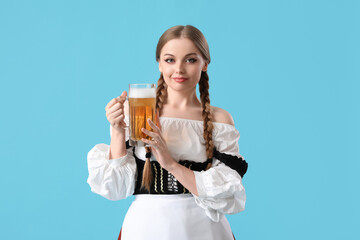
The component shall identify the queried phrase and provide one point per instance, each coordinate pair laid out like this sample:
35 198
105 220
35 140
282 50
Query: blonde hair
200 42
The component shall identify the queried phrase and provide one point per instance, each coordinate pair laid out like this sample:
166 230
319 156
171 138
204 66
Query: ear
204 69
160 68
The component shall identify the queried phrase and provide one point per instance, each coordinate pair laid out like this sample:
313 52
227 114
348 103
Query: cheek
166 69
167 73
195 71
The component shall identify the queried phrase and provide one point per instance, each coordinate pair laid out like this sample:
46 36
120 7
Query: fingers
114 108
110 104
123 94
150 142
121 99
114 105
157 140
119 122
116 118
153 126
157 120
149 133
156 136
113 102
115 111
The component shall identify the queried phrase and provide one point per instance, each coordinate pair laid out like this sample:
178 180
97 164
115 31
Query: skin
178 58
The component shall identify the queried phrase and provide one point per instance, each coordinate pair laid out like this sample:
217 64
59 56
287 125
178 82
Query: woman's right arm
117 144
115 113
112 168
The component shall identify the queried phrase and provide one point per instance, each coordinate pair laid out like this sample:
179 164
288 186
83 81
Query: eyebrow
185 55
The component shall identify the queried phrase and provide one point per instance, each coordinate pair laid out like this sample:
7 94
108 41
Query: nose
179 68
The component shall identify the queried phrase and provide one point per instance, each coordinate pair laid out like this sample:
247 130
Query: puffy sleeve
220 188
113 179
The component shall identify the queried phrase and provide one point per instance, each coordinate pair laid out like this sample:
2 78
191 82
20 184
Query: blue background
287 71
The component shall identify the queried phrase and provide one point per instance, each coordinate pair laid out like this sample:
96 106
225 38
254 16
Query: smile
179 80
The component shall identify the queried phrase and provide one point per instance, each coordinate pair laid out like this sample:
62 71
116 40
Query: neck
182 99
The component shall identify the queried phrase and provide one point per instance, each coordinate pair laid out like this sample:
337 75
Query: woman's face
181 64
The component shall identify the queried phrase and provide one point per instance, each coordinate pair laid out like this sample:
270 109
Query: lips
180 79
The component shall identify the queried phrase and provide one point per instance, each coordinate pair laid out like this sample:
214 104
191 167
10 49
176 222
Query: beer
142 99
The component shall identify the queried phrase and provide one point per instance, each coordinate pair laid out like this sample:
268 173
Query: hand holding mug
115 112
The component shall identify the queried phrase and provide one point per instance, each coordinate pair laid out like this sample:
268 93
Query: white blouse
220 188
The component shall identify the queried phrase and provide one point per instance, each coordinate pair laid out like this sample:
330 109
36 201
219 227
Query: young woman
193 175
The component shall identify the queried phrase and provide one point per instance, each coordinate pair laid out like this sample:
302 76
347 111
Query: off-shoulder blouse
220 188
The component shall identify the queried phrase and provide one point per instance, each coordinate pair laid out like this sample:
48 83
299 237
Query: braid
161 94
206 114
147 176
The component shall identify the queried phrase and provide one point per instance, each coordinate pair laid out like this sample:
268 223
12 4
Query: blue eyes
171 60
192 60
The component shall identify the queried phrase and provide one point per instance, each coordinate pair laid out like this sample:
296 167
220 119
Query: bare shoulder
222 116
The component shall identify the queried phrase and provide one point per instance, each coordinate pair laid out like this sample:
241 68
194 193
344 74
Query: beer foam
142 93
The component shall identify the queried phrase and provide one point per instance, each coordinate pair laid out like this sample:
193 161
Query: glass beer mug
142 98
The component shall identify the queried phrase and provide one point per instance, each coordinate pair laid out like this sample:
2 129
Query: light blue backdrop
287 71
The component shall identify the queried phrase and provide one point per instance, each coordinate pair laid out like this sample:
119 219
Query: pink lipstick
180 80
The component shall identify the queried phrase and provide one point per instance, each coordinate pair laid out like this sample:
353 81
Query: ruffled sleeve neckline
195 121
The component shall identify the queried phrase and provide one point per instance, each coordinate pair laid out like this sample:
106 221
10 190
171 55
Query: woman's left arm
185 176
218 190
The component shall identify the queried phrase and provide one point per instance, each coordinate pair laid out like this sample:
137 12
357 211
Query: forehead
179 47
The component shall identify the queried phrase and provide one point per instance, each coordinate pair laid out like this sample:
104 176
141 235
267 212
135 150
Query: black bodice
165 183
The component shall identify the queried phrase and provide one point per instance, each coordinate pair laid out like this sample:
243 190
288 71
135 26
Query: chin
182 87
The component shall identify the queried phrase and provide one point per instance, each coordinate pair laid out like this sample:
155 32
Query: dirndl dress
170 211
